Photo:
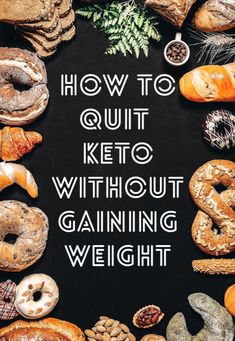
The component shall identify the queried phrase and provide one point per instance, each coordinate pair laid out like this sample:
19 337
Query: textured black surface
173 129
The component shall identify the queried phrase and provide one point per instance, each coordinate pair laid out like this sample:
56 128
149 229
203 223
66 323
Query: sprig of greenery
128 26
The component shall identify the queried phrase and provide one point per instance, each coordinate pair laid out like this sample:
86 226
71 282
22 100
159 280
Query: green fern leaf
128 26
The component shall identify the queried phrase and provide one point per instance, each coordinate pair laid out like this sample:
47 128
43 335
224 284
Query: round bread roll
30 227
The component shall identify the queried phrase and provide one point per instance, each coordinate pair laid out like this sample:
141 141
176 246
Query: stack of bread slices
44 23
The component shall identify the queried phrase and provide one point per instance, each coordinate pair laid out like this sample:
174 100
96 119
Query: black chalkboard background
174 131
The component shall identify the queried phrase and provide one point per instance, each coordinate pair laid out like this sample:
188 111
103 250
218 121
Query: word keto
92 85
121 221
103 153
111 255
113 119
134 187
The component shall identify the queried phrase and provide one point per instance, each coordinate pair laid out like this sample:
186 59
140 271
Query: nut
109 322
147 316
124 328
108 329
116 331
90 333
106 337
101 329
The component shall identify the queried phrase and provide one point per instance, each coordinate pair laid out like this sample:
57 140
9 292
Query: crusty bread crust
175 11
219 266
215 15
50 327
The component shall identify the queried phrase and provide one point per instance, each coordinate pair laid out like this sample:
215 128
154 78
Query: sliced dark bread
67 22
46 44
54 35
64 8
18 11
47 26
41 52
68 35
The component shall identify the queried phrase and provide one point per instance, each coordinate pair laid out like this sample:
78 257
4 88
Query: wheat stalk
213 47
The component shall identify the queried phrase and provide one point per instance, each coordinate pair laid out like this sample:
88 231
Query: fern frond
129 27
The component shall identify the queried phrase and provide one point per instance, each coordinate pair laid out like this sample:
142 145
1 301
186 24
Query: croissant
11 173
209 83
15 142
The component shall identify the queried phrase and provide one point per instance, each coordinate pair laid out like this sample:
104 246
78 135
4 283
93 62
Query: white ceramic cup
177 39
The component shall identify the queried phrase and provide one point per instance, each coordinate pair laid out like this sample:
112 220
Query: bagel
25 68
25 303
30 226
214 207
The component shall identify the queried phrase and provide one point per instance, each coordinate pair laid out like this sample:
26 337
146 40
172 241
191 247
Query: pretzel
215 208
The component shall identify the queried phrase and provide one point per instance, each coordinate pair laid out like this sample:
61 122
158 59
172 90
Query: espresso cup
177 40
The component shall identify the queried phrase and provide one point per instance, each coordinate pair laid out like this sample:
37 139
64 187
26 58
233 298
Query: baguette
221 266
215 16
209 83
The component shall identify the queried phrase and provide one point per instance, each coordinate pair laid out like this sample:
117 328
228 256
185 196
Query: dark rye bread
54 35
18 11
41 52
47 26
68 35
46 44
64 8
68 21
